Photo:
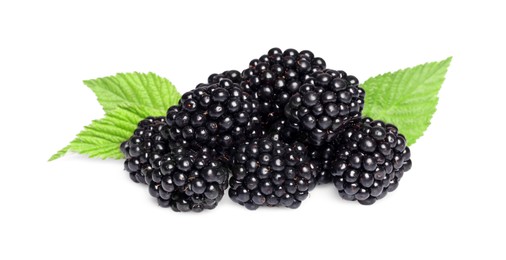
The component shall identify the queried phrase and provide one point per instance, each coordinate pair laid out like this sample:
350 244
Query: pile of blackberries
271 133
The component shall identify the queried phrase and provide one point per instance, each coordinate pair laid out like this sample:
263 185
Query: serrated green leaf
406 98
103 137
134 89
126 98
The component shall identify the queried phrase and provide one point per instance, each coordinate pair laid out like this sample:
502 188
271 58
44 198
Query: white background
450 205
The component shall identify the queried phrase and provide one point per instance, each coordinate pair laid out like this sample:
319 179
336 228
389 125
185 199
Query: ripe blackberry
187 180
324 104
217 116
273 78
271 173
148 142
321 157
371 159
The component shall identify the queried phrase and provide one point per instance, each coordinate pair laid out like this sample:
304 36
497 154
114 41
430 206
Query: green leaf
60 153
134 89
406 98
126 98
103 137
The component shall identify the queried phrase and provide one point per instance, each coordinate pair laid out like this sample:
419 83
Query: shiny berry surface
371 158
271 173
148 142
324 104
188 180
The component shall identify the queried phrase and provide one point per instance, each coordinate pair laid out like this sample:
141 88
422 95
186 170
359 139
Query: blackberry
371 159
271 173
324 104
148 142
273 78
320 156
216 116
187 180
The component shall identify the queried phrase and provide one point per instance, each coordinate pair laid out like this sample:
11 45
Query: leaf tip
448 60
87 82
59 154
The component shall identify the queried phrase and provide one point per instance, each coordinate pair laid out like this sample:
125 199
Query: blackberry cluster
271 132
273 78
148 142
323 105
371 159
216 115
271 173
186 180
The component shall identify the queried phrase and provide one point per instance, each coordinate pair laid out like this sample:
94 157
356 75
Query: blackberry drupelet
233 75
324 104
271 173
217 116
273 78
148 142
372 157
188 180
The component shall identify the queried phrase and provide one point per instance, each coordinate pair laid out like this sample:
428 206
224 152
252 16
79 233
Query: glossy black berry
148 143
274 78
267 172
370 159
323 105
221 115
188 180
